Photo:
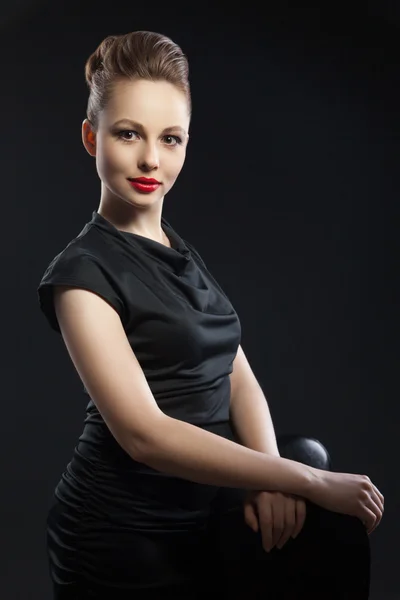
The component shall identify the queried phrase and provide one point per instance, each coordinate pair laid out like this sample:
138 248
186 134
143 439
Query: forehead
152 103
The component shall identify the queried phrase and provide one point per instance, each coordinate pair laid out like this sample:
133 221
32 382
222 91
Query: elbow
144 445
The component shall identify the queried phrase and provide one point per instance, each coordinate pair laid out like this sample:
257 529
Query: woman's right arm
107 366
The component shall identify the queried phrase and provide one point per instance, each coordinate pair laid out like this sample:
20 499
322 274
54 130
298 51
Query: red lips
148 180
145 185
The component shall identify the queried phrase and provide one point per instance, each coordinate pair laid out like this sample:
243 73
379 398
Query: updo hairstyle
136 55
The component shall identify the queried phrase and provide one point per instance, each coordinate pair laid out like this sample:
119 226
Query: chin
138 199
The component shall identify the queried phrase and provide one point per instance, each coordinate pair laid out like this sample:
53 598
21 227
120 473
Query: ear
89 137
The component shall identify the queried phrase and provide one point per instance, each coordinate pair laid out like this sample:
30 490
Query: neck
126 217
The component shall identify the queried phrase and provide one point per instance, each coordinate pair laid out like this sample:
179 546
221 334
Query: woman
178 441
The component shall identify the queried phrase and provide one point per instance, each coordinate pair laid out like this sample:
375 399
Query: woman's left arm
249 410
277 516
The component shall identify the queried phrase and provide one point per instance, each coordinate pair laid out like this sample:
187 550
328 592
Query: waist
107 481
206 406
97 444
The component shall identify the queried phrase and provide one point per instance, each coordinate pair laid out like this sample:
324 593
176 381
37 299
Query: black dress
120 530
117 524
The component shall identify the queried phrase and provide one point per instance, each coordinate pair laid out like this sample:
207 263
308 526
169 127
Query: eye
172 140
121 134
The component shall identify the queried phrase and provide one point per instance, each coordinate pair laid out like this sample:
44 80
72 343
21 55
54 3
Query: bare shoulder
102 355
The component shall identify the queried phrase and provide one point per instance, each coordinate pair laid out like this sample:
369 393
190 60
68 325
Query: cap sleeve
81 271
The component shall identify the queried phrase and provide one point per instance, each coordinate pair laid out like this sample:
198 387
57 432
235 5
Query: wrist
313 480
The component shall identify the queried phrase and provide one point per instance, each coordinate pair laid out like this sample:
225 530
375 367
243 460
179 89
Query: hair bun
136 55
95 61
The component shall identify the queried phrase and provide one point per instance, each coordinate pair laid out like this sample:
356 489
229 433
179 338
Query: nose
149 158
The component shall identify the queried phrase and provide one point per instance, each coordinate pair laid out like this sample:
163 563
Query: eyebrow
139 126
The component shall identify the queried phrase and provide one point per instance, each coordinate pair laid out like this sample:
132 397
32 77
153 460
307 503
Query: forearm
251 419
187 451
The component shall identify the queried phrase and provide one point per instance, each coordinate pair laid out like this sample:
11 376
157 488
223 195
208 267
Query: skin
128 151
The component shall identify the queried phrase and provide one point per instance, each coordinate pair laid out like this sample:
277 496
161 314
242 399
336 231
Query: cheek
176 163
111 158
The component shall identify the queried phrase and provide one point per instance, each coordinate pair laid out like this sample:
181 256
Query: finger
379 494
278 518
378 514
290 522
378 498
250 517
301 512
369 519
375 509
266 525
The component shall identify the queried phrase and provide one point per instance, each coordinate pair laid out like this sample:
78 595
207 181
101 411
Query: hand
279 516
350 494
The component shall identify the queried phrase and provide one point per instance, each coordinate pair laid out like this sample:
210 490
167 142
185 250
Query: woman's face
142 132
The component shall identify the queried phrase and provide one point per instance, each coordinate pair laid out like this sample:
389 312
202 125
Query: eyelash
120 133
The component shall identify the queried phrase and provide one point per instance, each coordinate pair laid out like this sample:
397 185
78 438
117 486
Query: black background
289 192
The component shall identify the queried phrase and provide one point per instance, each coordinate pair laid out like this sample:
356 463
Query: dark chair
307 450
